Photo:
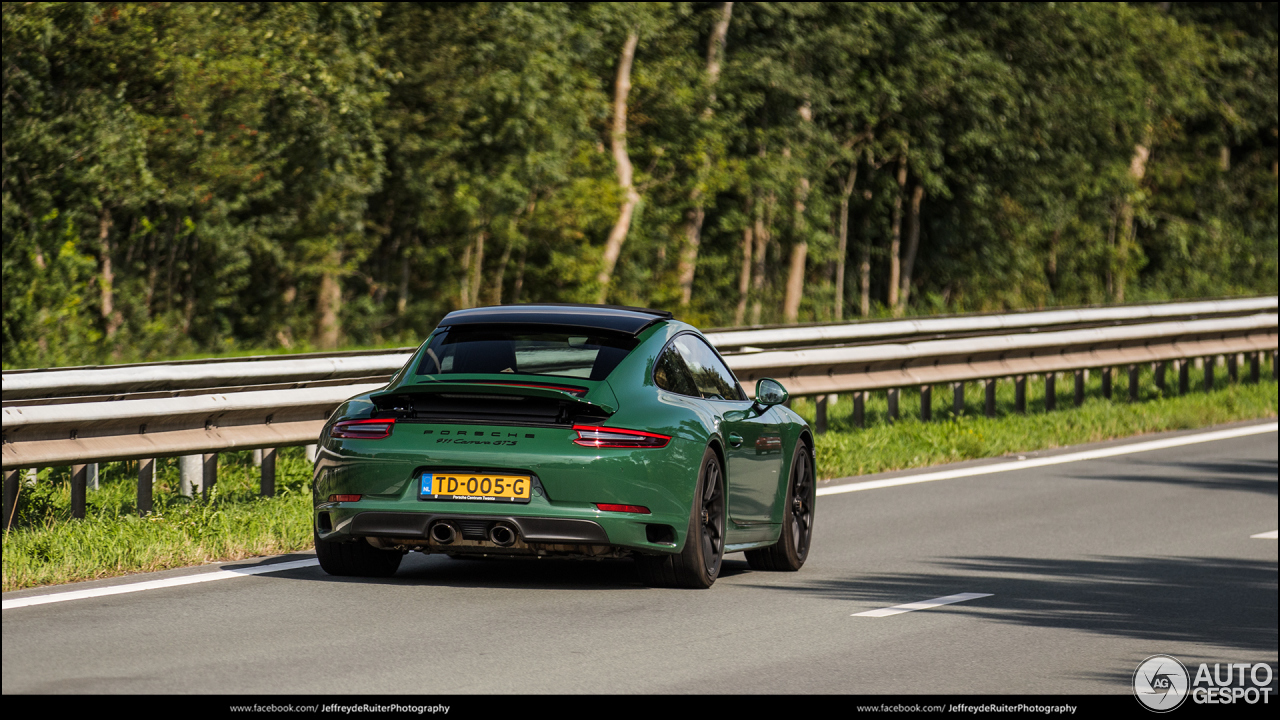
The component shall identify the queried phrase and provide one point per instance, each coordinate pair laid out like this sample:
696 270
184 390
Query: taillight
371 429
610 507
344 498
603 437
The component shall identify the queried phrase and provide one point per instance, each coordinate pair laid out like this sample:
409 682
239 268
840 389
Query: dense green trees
187 178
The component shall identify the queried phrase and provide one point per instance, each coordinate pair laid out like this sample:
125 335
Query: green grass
908 443
46 547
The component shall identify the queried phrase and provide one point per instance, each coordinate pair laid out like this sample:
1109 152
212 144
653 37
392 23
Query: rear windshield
563 352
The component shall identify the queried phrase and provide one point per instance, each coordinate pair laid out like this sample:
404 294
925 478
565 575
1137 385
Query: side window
713 379
671 373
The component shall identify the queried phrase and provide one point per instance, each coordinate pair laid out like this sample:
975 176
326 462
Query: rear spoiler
582 400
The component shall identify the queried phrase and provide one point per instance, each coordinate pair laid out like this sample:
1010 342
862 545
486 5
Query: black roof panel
617 318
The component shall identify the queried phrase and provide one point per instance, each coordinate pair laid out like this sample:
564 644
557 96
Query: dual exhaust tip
500 533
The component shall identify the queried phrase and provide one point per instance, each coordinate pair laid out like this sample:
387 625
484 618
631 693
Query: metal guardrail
236 374
761 338
191 421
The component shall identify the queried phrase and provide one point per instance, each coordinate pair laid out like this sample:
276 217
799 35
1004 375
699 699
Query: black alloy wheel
792 548
712 518
698 564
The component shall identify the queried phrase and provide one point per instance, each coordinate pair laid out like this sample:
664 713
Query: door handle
735 440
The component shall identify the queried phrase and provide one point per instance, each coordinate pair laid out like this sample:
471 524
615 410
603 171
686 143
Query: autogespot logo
1160 683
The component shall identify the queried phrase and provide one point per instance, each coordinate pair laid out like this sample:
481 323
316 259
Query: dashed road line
923 605
1265 536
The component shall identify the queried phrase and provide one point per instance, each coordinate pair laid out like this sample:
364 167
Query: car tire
698 565
792 548
356 559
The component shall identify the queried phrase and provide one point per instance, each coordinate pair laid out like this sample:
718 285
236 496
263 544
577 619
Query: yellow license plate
469 486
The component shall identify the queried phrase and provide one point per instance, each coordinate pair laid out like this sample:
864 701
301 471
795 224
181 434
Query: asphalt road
1091 566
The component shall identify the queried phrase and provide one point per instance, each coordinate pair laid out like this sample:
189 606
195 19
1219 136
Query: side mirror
770 392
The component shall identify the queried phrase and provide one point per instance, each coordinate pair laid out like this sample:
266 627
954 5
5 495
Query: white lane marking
1055 460
924 605
1266 536
156 584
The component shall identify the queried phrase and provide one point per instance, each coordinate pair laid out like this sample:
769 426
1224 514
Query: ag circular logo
1160 683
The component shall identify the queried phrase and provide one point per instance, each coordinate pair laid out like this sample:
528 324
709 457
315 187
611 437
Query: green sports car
566 431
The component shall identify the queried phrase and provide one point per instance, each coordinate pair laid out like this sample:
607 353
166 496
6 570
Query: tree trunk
630 198
744 279
464 292
795 282
107 285
477 267
693 219
846 190
799 253
913 244
1128 229
864 269
763 220
499 275
329 303
1053 259
895 233
800 248
518 285
402 296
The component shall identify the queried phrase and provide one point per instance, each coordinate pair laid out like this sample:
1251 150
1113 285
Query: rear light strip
605 437
368 429
344 498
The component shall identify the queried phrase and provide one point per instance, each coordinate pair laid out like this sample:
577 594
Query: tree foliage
211 177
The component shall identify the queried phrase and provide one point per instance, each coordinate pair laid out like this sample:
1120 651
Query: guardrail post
257 457
990 405
210 473
1233 367
860 409
79 480
1273 366
892 396
1050 391
1020 394
1255 374
12 483
1106 382
1158 369
1184 377
1208 373
267 485
820 414
1133 383
312 449
957 398
146 479
926 403
1079 396
190 474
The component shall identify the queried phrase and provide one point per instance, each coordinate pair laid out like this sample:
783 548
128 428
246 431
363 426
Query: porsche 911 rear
488 466
573 431
503 435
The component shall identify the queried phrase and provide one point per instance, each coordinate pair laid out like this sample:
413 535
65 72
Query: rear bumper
532 529
537 534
